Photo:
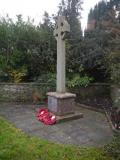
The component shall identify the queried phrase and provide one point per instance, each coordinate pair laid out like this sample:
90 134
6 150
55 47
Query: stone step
68 117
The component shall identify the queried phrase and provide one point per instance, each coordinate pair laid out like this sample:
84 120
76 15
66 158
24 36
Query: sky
36 8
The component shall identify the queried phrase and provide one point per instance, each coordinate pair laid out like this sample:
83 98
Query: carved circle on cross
61 28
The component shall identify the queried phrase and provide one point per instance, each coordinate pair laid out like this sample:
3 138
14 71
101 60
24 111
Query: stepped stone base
63 106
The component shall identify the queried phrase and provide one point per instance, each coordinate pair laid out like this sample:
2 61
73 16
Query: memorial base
63 106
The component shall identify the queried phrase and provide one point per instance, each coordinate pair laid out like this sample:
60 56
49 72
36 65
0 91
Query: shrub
113 148
49 78
114 63
78 81
18 75
4 77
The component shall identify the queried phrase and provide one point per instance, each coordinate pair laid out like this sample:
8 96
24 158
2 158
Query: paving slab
91 130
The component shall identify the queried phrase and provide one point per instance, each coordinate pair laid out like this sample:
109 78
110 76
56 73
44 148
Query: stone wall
22 92
96 95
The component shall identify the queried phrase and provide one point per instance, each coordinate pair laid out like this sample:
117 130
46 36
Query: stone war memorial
60 102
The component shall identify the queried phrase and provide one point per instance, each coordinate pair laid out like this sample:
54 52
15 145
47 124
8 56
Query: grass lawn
16 145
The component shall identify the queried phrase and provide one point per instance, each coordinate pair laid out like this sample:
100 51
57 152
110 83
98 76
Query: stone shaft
61 65
62 27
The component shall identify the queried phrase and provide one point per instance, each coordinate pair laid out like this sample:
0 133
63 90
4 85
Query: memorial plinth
61 103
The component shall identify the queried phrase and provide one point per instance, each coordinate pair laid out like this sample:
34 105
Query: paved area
92 130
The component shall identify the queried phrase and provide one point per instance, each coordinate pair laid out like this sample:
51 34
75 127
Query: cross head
61 28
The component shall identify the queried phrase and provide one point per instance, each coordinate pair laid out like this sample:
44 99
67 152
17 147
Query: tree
26 48
104 35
